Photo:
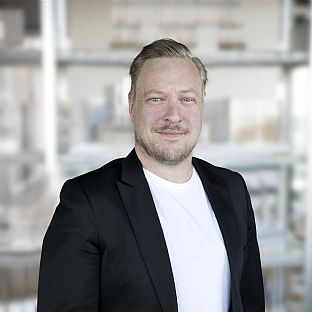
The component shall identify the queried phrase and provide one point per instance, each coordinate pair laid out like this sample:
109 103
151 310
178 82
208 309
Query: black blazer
105 250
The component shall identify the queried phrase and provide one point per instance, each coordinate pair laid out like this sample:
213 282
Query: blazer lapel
220 198
138 201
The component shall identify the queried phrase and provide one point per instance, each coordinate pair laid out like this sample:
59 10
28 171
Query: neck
178 173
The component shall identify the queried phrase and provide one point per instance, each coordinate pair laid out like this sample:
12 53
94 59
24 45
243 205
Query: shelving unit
28 192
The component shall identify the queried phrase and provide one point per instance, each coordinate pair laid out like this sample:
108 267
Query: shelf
287 258
12 259
85 157
20 57
255 156
107 58
129 3
280 250
221 58
17 57
21 158
245 58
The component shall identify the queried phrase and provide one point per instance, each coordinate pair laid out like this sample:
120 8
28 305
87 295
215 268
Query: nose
172 112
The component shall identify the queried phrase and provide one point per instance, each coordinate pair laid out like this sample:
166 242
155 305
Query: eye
154 100
187 100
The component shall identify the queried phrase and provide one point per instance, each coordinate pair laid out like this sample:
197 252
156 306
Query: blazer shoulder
105 176
216 172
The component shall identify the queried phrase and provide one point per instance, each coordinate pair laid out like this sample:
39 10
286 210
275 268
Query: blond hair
165 48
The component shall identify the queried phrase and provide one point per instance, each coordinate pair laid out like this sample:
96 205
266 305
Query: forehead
165 72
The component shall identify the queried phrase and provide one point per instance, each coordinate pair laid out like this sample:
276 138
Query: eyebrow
191 90
158 92
152 91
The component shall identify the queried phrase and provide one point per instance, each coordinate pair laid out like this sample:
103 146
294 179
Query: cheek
143 121
194 117
200 118
151 117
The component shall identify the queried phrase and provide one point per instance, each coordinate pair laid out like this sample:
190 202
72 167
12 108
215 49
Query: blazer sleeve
251 283
70 259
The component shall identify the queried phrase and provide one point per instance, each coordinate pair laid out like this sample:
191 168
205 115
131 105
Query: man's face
167 109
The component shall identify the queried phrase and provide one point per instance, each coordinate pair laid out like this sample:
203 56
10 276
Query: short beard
164 155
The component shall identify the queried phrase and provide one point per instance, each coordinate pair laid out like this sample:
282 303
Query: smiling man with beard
159 230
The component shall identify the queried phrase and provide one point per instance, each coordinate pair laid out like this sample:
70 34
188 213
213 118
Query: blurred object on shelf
96 115
11 27
187 23
119 43
217 120
264 190
295 281
18 282
300 33
301 27
231 44
64 125
119 102
255 120
229 23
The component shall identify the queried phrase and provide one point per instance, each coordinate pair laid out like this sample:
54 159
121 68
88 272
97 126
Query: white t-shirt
196 249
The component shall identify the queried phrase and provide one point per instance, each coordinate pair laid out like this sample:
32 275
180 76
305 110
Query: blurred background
63 111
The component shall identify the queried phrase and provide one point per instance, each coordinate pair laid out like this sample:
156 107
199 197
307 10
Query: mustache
172 127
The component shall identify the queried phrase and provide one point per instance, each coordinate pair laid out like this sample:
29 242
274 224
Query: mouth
171 133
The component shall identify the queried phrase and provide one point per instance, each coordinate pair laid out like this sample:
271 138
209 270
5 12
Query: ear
130 104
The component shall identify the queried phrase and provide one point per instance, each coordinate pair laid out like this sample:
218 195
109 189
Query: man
158 230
